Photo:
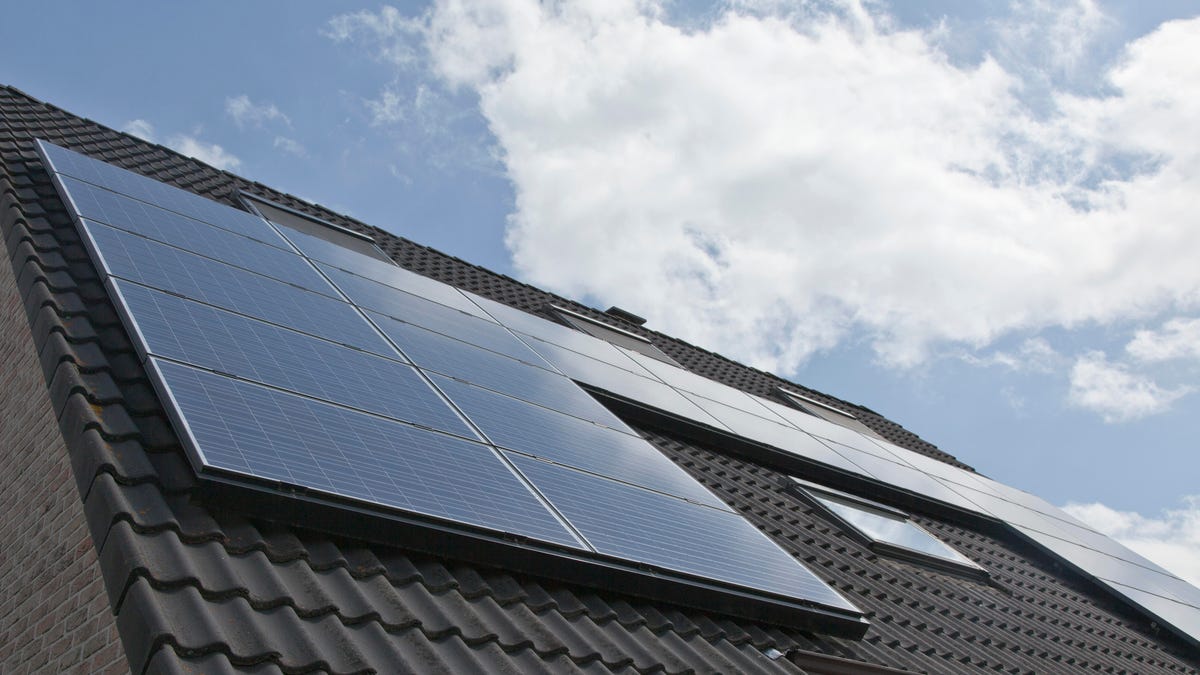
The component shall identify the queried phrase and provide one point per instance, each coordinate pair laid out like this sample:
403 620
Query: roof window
617 336
826 412
313 226
886 530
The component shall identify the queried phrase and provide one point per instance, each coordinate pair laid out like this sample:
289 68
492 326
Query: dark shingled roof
200 588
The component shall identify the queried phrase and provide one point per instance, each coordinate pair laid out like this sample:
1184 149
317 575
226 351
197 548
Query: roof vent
625 315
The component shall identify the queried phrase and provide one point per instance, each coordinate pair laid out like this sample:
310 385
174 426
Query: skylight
612 334
883 527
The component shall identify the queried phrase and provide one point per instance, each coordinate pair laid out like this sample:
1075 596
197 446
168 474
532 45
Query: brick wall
54 613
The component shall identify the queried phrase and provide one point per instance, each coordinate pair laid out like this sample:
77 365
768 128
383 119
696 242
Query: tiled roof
201 588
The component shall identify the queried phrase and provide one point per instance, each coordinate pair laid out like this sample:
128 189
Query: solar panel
211 338
1109 568
454 323
1183 616
828 430
149 263
437 353
212 242
139 187
330 252
560 438
272 435
635 524
936 468
558 335
644 390
904 476
702 386
375 286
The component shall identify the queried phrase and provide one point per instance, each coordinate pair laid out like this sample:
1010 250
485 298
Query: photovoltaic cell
212 242
375 286
218 340
152 264
635 524
437 353
272 435
160 194
560 438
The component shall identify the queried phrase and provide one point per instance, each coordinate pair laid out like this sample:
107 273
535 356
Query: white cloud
209 153
290 146
1172 539
1034 355
1116 393
245 112
140 128
388 32
785 182
1178 338
389 108
187 144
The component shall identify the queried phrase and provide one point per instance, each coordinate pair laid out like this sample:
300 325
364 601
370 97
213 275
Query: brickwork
55 615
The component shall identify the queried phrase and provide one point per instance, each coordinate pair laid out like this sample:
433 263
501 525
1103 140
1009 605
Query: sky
981 220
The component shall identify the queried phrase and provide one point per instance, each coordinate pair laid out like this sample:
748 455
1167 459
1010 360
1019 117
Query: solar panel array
292 359
289 360
726 409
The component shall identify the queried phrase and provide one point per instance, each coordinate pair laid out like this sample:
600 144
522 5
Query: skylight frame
819 497
640 344
253 202
829 413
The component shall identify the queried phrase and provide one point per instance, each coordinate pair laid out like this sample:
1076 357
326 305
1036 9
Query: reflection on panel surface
635 524
214 339
276 436
170 269
68 163
545 433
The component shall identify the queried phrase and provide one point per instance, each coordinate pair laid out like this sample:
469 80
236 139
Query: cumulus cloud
187 144
1170 539
1115 392
1178 338
248 113
140 128
785 180
209 153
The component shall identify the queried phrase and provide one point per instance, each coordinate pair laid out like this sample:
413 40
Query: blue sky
976 218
